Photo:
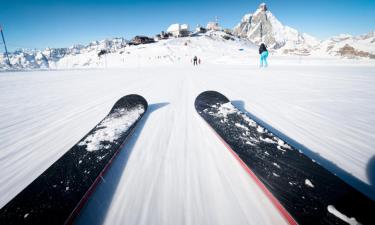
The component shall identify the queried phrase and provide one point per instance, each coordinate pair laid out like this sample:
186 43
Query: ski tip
208 98
130 101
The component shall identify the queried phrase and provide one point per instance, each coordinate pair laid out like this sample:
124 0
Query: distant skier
195 61
263 55
199 61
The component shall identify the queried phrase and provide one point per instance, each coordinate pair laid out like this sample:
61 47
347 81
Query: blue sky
50 23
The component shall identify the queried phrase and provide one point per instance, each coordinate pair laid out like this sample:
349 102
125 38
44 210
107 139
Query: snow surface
309 183
112 127
338 214
174 170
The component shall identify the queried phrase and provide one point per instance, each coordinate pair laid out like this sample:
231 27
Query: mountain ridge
253 29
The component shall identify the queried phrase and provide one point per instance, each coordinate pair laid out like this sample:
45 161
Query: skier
263 55
199 61
195 61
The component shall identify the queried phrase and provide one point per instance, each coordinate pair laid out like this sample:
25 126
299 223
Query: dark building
137 40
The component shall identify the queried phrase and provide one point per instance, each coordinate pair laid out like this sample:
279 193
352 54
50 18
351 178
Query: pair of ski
302 190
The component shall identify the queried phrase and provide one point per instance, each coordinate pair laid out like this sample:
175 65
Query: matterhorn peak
263 7
263 27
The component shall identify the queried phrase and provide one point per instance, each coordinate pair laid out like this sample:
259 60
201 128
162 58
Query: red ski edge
270 196
90 191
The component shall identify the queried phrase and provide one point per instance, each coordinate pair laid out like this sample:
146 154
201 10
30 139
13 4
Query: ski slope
175 170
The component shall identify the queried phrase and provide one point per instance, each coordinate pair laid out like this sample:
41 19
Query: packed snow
309 183
174 170
338 214
110 129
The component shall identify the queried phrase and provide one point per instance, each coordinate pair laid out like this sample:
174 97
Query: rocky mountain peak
263 7
263 27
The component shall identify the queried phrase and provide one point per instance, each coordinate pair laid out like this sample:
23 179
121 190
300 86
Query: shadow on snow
95 210
368 190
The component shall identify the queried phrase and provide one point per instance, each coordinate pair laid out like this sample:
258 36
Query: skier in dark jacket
195 61
263 55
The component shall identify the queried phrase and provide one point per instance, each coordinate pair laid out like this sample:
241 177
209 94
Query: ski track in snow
175 170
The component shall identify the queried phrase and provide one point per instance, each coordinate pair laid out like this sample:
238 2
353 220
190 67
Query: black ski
309 193
57 195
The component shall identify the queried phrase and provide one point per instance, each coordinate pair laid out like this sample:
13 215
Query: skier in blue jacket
263 55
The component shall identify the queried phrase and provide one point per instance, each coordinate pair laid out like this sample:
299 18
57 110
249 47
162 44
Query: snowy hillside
351 46
215 46
263 26
212 47
53 57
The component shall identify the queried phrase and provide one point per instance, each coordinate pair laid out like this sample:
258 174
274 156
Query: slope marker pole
5 46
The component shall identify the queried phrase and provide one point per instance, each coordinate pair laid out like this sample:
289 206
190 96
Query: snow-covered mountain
52 57
263 26
214 46
348 46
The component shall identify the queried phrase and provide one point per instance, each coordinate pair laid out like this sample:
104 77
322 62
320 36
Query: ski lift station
179 30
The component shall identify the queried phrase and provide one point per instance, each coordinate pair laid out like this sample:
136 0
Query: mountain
212 47
215 46
263 26
348 46
54 57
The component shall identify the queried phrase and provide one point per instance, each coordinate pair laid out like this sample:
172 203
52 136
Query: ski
302 190
58 194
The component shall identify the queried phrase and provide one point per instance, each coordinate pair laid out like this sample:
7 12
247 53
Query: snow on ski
303 191
57 195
